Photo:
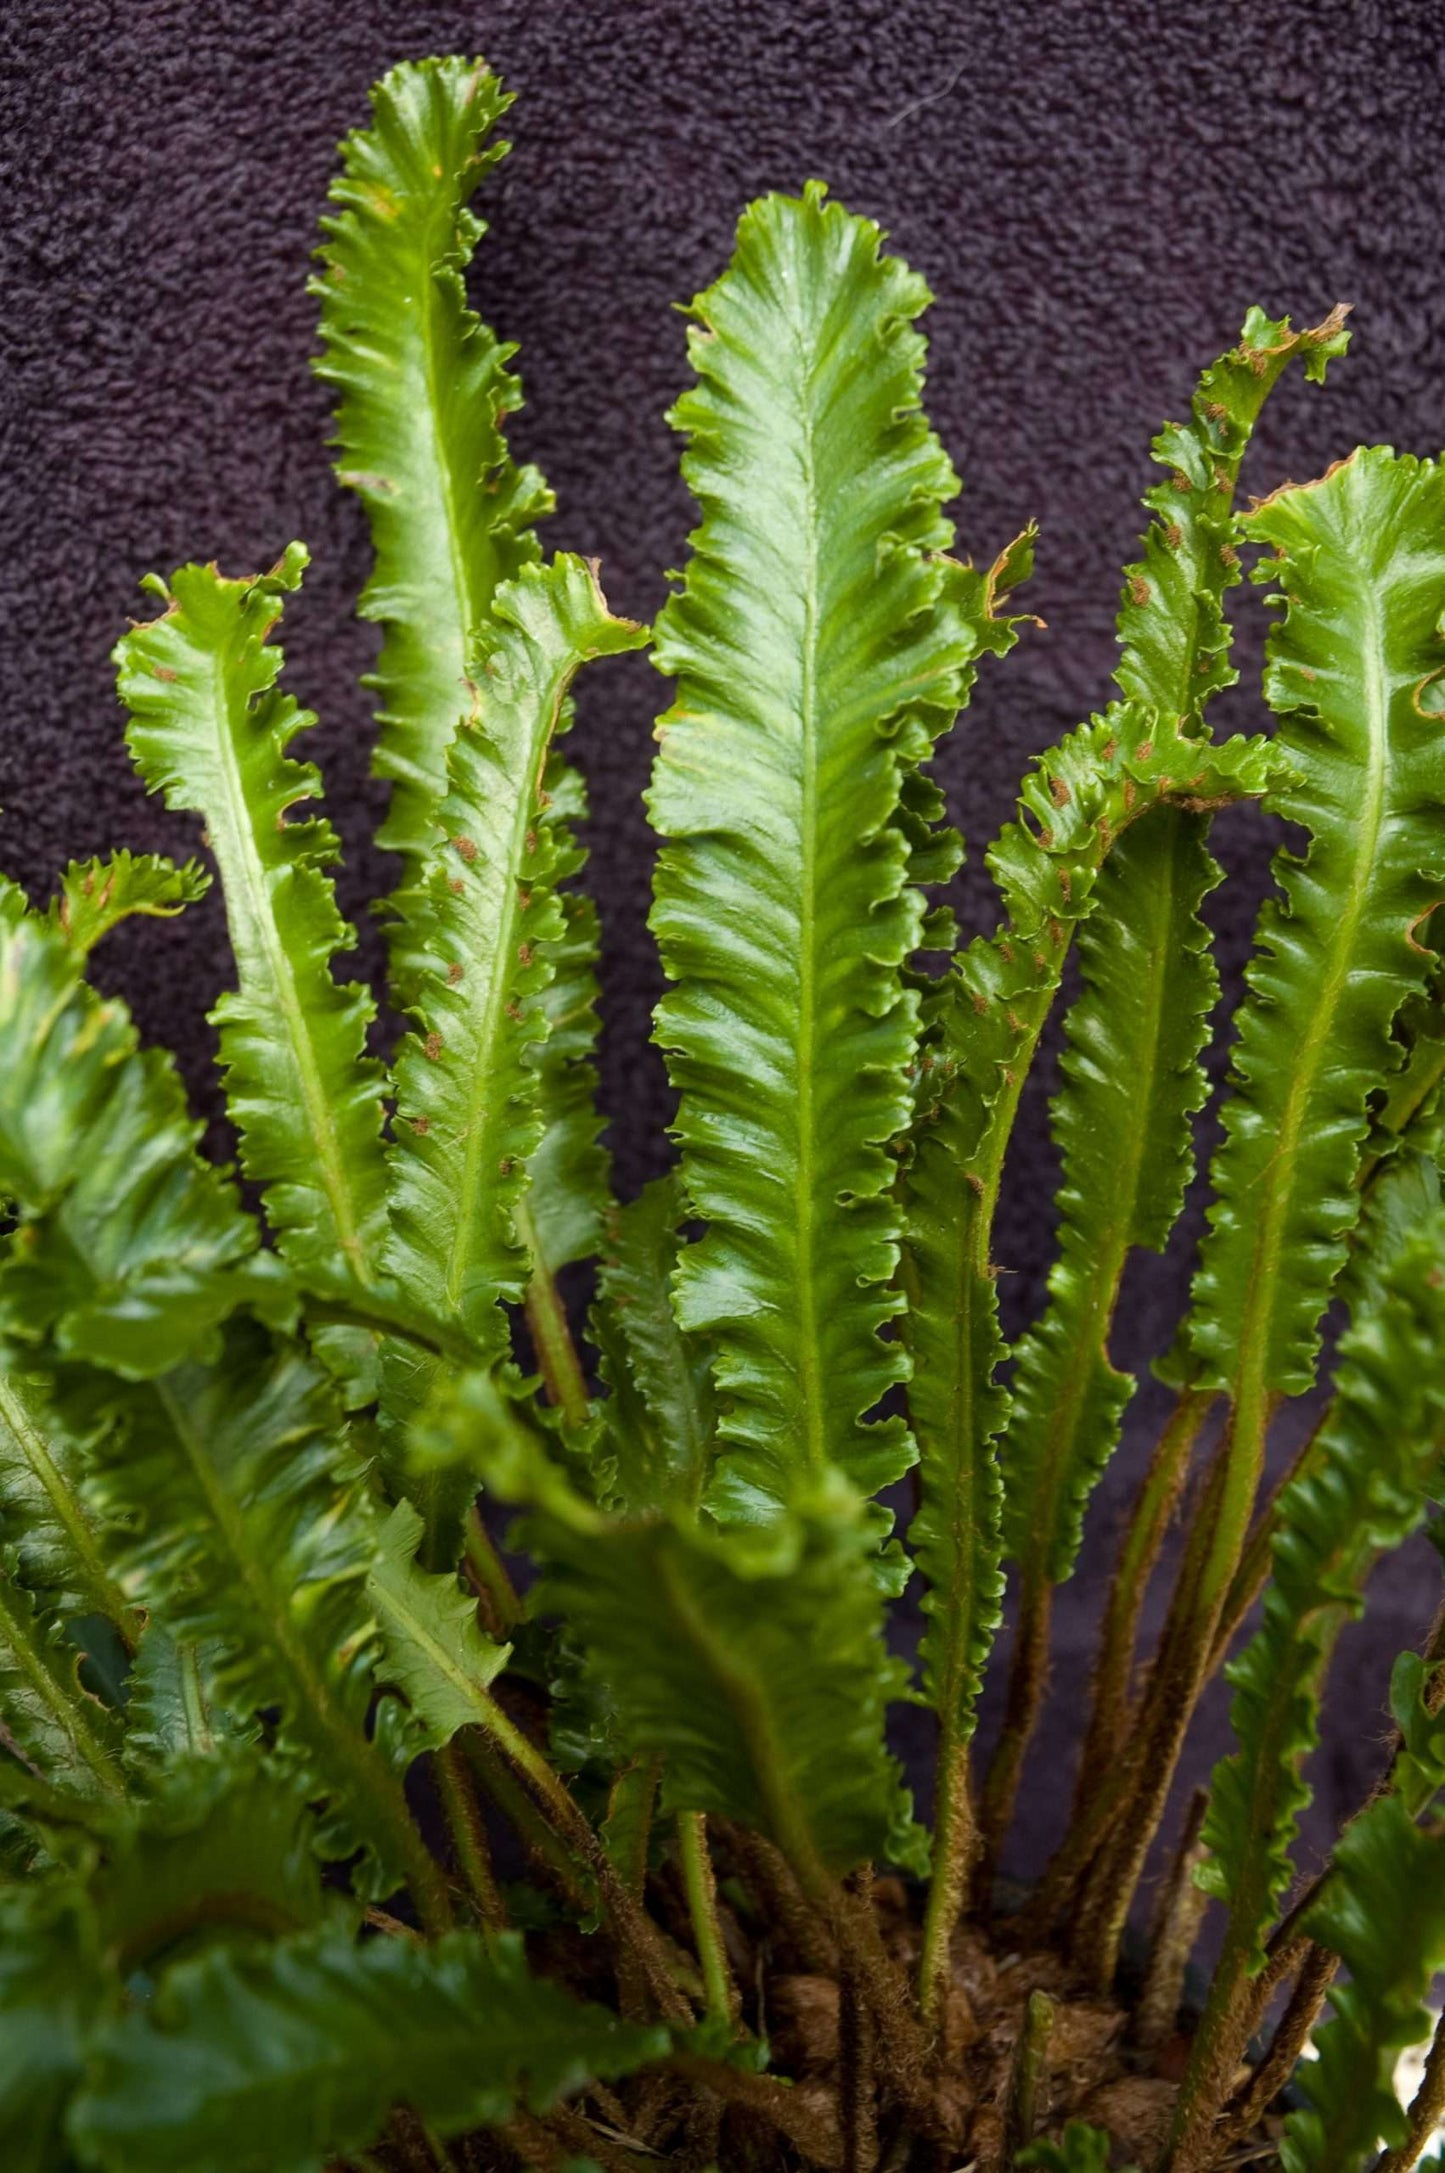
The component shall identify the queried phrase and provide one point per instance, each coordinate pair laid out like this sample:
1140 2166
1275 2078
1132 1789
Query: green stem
701 1889
557 1359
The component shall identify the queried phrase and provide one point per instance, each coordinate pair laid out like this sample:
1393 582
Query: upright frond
815 661
210 730
424 389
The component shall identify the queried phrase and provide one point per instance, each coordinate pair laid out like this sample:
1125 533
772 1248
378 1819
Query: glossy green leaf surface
49 1534
815 661
752 1665
254 1530
468 1110
278 2061
1131 1076
128 1249
660 1417
1360 561
985 1022
210 730
434 1652
423 390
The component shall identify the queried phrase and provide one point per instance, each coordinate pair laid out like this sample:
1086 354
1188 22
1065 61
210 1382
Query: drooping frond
468 1109
279 2059
424 390
128 1249
253 1532
97 895
751 1664
1172 628
210 730
816 661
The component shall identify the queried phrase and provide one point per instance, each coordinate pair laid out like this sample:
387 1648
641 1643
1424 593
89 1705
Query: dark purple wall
1096 190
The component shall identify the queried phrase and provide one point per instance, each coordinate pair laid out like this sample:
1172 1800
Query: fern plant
329 1838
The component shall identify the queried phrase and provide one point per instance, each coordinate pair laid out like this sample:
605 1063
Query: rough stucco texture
1096 190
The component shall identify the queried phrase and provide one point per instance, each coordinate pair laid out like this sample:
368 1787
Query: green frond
1172 627
434 1653
128 1249
254 1531
816 660
569 1191
210 731
49 1722
1121 1122
221 1848
1367 1487
97 895
173 1711
659 1419
1131 1077
282 2060
985 1021
468 1111
1360 560
1084 2149
49 1534
751 1664
1383 1912
424 389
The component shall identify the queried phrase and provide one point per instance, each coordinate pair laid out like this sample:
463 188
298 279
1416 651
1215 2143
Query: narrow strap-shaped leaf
1131 1080
48 1721
129 1249
1077 802
97 895
1172 628
209 730
1364 1490
569 1193
424 389
255 1531
284 2059
815 663
659 1418
985 1023
434 1651
1360 559
49 1533
468 1114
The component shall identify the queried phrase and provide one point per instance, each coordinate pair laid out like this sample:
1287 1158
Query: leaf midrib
62 1500
250 869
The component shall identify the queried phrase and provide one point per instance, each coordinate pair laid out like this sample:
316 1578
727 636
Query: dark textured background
1096 190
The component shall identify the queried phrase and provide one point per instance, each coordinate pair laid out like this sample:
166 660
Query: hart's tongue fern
323 1844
